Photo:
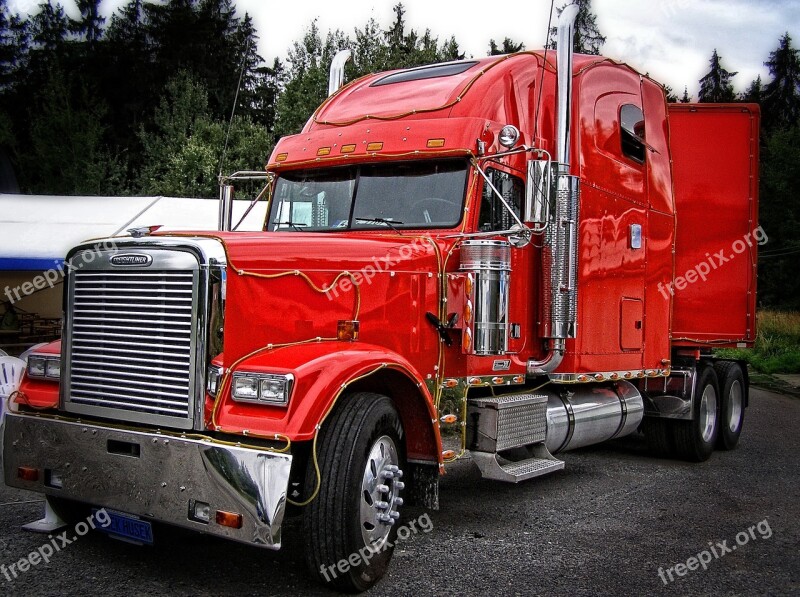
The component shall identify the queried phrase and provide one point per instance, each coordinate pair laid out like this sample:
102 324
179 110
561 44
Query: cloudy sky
670 39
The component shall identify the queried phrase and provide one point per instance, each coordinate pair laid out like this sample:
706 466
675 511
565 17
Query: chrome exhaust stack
560 247
336 78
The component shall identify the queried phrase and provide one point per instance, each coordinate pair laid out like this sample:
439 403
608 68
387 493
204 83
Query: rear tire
695 439
732 393
351 525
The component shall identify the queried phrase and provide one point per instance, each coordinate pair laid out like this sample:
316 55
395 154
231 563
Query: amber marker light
519 379
347 330
28 473
324 151
449 419
348 148
435 142
451 383
468 311
375 146
448 454
498 380
468 284
281 157
229 519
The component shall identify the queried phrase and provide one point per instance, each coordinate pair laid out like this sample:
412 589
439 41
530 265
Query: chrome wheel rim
708 413
735 406
380 489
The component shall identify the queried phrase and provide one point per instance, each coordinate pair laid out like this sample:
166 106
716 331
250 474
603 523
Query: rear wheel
732 392
351 525
695 439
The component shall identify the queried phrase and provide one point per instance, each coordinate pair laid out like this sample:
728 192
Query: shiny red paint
40 393
277 281
716 192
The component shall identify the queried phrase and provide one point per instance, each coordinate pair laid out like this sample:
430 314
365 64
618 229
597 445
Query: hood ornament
142 231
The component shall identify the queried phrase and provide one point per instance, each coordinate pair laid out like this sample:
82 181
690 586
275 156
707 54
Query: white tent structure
37 231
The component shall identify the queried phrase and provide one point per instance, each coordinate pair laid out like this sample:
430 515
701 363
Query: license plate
127 527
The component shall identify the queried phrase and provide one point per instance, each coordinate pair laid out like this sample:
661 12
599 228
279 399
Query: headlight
262 388
212 382
44 366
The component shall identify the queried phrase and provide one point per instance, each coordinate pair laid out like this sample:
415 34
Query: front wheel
351 525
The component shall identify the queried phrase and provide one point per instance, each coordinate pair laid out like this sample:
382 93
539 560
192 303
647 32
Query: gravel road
603 526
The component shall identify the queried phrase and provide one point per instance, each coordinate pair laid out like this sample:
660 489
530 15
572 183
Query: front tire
351 525
695 439
731 420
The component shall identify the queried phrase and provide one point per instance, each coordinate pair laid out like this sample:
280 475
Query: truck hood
294 287
309 251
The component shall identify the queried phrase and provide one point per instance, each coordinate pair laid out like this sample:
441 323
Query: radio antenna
233 109
541 79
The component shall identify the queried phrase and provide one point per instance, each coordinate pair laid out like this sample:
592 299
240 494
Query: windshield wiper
297 226
389 223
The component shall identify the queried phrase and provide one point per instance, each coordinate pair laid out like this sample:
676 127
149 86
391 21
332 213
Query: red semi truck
533 252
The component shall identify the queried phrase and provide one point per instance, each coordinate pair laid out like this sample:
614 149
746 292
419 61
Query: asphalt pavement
616 521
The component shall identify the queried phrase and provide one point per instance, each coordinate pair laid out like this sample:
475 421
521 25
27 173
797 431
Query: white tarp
35 228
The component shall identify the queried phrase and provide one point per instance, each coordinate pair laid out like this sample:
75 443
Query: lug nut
399 485
387 475
382 488
394 515
398 502
382 505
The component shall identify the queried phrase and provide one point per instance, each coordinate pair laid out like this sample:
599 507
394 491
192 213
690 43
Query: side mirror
225 207
538 192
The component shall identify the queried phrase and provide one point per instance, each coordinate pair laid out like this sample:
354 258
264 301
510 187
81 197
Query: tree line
142 103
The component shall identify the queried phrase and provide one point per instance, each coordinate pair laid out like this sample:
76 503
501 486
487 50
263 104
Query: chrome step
540 464
504 422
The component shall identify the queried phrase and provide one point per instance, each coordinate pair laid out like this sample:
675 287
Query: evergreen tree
588 39
754 94
68 153
509 47
50 27
90 25
782 94
715 86
779 214
686 98
13 46
670 93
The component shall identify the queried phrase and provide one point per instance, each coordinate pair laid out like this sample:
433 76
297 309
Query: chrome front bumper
152 475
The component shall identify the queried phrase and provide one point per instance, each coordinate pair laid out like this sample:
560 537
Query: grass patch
777 347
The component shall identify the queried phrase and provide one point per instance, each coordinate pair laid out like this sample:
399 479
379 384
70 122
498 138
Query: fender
40 393
323 371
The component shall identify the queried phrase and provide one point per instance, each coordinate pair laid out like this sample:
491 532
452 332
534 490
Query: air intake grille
131 343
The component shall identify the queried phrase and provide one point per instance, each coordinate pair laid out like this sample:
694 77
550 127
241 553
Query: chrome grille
131 344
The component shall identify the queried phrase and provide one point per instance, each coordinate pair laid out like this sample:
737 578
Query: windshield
396 195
